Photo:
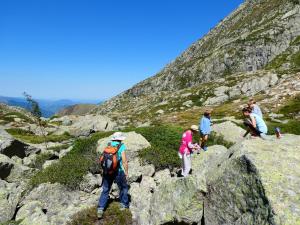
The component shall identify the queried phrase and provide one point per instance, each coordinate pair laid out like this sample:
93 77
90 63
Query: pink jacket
186 143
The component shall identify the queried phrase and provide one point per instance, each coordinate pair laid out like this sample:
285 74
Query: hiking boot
123 207
99 213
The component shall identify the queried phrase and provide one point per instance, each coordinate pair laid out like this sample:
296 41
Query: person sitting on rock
255 108
120 175
186 149
205 129
254 123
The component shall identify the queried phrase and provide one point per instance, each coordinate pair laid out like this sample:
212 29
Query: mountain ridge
246 41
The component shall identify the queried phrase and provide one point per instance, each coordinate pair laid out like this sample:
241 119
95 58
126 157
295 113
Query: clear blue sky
94 49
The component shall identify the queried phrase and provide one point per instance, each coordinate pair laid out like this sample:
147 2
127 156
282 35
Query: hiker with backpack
256 126
205 128
115 168
187 148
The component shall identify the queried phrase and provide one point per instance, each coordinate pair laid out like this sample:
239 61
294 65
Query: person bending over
256 126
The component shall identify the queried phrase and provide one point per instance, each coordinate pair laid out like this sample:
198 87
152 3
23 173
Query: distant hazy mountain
48 107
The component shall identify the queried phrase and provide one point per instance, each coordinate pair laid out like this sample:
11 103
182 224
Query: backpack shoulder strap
120 145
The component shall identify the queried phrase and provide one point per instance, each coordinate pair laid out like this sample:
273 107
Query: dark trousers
121 181
253 130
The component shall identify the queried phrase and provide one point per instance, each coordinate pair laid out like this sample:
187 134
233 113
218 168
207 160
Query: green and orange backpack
109 159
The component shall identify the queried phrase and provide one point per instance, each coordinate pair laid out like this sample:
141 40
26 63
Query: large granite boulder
230 131
134 143
6 165
10 195
84 125
12 147
179 200
256 182
53 204
12 171
163 199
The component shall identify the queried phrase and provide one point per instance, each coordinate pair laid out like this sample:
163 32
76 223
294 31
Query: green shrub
70 169
30 137
165 141
112 216
40 160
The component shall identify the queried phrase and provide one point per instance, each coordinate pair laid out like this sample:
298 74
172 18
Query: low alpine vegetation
112 216
30 137
70 169
165 141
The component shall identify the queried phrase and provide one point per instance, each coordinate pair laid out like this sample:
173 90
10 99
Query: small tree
36 112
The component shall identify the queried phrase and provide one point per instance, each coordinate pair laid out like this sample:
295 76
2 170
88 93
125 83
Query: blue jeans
123 187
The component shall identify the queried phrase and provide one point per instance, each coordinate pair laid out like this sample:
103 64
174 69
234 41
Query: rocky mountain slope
60 184
78 109
258 39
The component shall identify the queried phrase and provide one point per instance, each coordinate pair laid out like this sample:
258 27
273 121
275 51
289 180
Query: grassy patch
292 107
30 137
9 117
112 216
292 127
58 148
70 169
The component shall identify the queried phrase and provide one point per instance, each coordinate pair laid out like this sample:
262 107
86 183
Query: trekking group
114 161
253 122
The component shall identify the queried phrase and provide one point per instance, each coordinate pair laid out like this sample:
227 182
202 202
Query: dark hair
246 109
206 114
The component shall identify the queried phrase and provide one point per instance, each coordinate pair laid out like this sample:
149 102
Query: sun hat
118 136
195 128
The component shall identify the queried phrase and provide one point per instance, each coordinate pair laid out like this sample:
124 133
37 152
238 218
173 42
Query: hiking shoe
123 207
205 148
99 213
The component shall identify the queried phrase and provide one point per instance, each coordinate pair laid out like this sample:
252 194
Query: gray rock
53 204
140 204
134 143
10 195
177 200
6 165
255 183
230 131
49 163
162 176
90 182
12 147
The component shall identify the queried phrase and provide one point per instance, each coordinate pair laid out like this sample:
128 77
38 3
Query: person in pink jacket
186 149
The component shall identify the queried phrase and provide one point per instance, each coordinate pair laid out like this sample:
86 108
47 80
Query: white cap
195 128
118 136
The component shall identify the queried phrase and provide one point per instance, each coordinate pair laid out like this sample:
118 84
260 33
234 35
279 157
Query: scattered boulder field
255 181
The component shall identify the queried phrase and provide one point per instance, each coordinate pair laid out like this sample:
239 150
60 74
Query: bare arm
253 121
125 163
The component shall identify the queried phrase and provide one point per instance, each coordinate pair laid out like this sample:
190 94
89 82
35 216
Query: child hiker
186 149
205 128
